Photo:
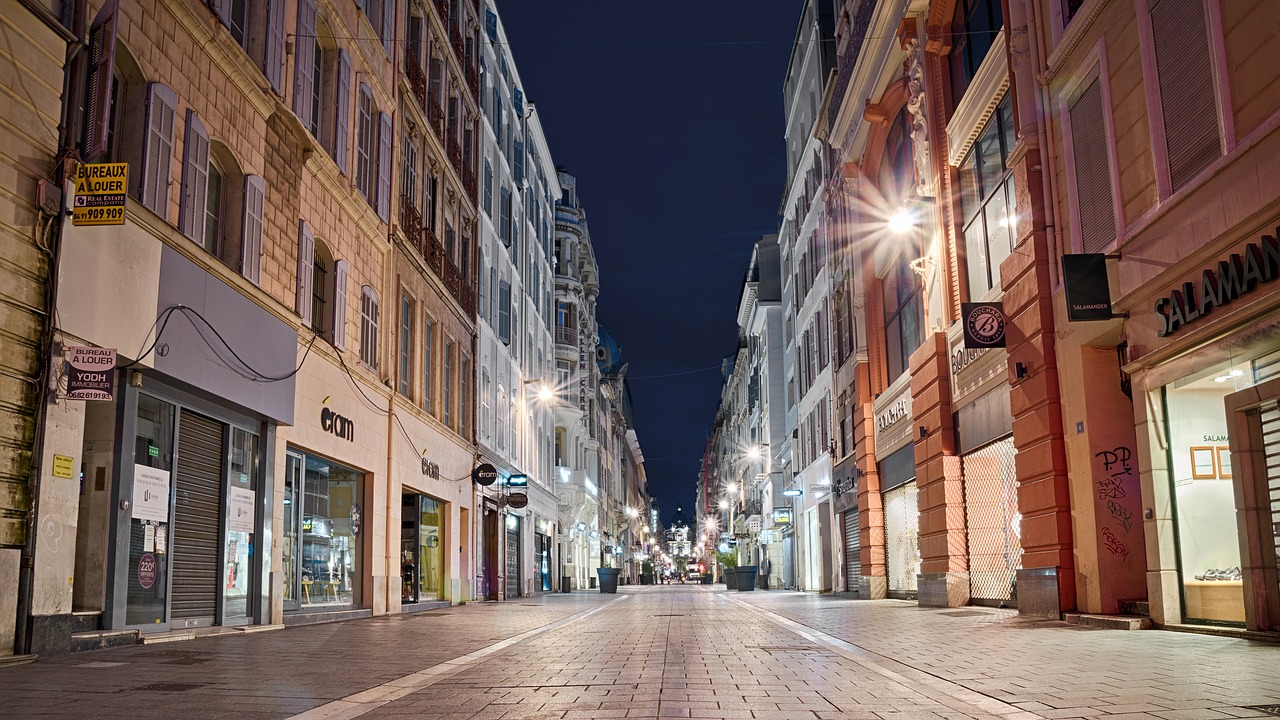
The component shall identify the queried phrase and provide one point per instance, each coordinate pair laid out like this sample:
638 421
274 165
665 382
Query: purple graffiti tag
1114 546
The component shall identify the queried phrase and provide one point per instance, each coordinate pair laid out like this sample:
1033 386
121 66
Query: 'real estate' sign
100 194
1233 278
90 373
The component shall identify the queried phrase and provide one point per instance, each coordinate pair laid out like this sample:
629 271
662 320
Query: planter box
608 579
746 577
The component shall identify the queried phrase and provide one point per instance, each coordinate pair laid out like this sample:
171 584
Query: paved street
667 651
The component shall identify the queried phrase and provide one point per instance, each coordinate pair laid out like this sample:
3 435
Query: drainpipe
73 16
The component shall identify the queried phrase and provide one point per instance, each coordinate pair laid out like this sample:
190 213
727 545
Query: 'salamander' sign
1234 277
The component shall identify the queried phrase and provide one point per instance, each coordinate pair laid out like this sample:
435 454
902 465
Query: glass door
241 508
289 530
148 572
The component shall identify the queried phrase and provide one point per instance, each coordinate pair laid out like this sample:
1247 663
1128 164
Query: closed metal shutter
992 519
902 538
195 519
1270 413
852 548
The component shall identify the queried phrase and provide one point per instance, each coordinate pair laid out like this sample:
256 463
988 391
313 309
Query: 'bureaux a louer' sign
1234 277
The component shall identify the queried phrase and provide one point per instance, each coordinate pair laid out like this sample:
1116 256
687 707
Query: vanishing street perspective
920 359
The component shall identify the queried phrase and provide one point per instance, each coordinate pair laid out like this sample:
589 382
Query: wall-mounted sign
1088 292
1235 277
782 516
963 358
150 494
484 474
892 414
518 481
100 194
984 324
64 466
90 372
582 369
430 469
332 422
517 500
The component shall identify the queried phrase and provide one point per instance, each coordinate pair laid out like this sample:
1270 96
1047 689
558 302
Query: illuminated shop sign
1232 279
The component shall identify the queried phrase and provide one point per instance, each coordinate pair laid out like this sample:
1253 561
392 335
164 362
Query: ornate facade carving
916 105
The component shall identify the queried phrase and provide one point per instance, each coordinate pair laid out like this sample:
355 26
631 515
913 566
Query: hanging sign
984 324
90 372
100 194
484 474
517 500
1084 276
150 494
782 516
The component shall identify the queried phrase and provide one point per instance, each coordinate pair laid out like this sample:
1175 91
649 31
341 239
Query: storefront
896 467
421 549
980 397
845 503
511 573
1213 421
322 534
542 561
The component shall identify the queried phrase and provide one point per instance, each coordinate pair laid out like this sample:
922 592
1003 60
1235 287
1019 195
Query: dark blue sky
670 115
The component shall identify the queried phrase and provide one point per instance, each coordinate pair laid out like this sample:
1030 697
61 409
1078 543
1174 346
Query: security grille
994 524
513 560
852 547
195 520
1270 413
902 537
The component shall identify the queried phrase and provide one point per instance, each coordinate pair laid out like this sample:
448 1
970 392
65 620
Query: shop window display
421 542
322 533
1204 494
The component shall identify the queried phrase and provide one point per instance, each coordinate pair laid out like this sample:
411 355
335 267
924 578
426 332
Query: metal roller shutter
852 548
195 519
1270 414
513 561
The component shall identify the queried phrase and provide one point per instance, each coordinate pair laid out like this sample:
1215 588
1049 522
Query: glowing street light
901 222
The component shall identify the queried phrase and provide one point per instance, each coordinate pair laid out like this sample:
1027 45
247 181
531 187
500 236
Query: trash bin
566 583
591 583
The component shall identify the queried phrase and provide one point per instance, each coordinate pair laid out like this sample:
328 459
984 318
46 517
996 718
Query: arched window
900 288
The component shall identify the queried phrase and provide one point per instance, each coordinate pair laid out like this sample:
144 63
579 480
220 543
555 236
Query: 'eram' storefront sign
1234 278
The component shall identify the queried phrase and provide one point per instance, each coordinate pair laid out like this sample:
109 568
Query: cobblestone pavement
667 651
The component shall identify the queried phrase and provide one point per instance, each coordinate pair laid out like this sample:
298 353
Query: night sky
670 115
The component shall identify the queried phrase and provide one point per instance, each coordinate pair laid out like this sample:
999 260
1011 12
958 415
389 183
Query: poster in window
150 494
1204 463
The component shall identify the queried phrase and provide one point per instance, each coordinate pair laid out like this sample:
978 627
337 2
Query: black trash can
608 579
566 583
746 575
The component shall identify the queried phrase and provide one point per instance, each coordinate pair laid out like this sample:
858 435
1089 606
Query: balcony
473 80
458 284
471 182
435 115
455 155
410 220
417 79
442 9
566 336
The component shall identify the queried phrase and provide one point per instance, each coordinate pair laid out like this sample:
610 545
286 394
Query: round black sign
986 325
517 500
484 474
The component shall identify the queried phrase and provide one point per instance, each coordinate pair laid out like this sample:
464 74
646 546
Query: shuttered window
340 271
158 151
464 394
102 59
488 189
195 179
305 64
447 397
365 145
428 363
1094 203
504 217
342 113
305 303
1180 34
273 52
504 311
406 346
384 166
368 327
255 191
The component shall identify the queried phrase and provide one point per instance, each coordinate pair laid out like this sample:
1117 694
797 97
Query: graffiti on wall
1114 487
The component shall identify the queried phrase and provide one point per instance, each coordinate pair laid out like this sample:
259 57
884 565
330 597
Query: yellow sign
100 194
64 466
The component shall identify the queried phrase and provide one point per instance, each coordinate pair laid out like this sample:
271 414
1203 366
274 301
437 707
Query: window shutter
255 192
223 10
491 24
1190 113
273 56
342 121
519 161
158 153
384 166
306 271
389 26
304 63
340 271
1092 170
504 217
504 312
368 327
195 178
102 60
491 318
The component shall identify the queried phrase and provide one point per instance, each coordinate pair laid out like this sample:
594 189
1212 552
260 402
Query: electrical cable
162 320
675 374
259 376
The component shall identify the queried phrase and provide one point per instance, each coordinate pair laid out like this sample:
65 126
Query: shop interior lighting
1228 376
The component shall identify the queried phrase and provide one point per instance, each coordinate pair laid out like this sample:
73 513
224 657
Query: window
381 15
321 293
464 394
988 201
428 363
213 210
488 188
902 326
974 28
258 27
1088 158
485 428
1180 35
406 346
369 327
504 217
500 410
366 141
504 311
447 397
409 179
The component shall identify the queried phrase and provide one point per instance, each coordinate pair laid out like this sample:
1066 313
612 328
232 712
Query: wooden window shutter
342 115
340 271
504 311
304 63
158 153
491 24
223 10
1190 113
255 193
102 60
306 272
389 27
384 166
273 54
195 179
1094 203
368 327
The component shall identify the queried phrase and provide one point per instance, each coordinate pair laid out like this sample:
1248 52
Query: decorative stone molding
916 105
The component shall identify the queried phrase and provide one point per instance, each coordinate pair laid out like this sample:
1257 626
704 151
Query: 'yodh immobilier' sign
1233 278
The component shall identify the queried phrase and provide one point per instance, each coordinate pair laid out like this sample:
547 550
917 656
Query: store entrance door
512 575
1254 466
489 542
198 488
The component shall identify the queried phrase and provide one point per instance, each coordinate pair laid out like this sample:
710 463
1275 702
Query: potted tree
608 575
646 573
728 561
